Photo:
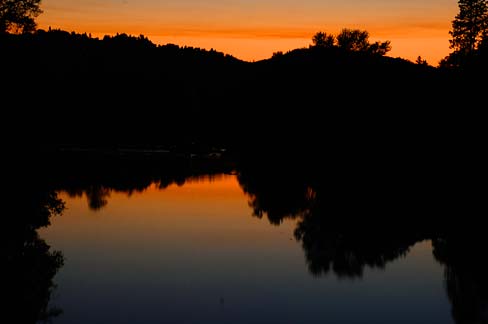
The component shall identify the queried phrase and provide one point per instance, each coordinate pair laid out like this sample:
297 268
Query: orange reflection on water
208 212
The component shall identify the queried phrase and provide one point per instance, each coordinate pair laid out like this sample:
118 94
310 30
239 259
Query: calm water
196 253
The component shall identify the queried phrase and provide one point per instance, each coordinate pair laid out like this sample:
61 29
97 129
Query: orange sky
254 29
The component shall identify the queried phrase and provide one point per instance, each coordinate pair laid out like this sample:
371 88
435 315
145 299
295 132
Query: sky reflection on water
194 254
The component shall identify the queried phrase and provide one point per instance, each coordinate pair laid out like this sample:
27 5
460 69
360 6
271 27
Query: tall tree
469 26
17 16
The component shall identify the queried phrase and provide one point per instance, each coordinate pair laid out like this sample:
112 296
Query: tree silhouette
351 40
17 16
322 39
421 61
380 48
469 26
358 41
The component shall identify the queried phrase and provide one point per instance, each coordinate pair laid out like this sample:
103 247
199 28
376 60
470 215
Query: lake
207 240
194 253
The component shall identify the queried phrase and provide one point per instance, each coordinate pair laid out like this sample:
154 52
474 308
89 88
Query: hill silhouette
73 89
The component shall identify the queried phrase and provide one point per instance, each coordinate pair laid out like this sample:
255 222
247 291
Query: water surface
195 252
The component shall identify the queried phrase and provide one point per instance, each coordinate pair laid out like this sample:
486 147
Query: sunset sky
254 29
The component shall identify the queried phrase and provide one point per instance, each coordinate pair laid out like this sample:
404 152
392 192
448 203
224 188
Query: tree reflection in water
466 269
344 244
30 263
335 237
347 232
